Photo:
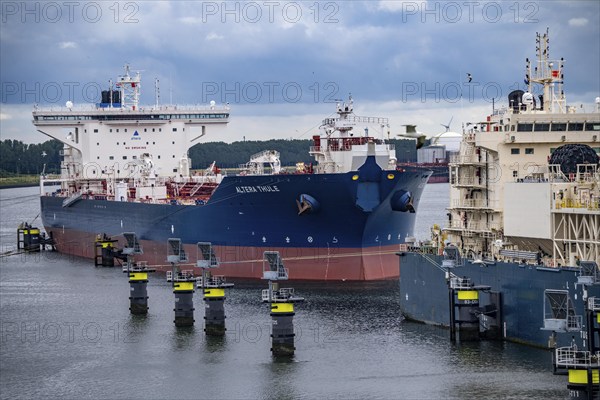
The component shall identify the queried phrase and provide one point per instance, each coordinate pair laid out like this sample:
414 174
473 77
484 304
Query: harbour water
66 332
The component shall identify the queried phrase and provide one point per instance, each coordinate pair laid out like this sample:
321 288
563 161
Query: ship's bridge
189 114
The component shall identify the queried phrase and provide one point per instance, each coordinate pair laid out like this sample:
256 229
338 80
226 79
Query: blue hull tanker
125 169
351 231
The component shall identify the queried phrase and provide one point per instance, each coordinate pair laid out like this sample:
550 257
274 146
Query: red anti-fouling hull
316 263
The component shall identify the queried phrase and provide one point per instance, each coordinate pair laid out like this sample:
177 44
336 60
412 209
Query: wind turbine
448 126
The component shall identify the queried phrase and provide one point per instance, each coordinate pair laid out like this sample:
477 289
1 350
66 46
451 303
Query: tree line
231 155
18 158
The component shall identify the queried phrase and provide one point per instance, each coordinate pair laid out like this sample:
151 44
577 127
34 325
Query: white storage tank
450 140
431 154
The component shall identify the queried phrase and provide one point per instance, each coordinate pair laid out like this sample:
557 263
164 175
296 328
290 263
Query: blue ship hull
351 233
424 295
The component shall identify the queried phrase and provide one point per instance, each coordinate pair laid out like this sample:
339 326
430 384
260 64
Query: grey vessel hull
424 295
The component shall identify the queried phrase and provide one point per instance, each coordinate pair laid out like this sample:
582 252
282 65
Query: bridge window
592 126
575 126
559 127
524 127
541 127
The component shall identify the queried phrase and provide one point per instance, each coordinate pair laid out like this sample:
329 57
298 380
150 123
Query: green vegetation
20 180
18 158
231 155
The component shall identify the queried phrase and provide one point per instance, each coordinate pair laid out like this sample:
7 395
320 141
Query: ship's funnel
515 100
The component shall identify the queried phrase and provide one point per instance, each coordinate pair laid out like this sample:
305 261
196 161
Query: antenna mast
156 92
547 73
110 85
130 88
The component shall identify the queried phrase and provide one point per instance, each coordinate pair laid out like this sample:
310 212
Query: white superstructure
117 141
507 199
342 148
256 165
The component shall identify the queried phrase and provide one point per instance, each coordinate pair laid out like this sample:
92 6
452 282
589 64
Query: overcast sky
281 64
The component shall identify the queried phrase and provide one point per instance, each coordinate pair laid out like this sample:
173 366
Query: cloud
67 45
578 21
398 5
16 124
214 36
190 20
372 49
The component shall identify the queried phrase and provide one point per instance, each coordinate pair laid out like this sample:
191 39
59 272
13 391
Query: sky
281 65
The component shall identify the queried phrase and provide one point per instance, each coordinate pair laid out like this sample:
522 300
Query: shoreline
18 185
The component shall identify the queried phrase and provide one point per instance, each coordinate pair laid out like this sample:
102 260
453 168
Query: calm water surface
67 332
